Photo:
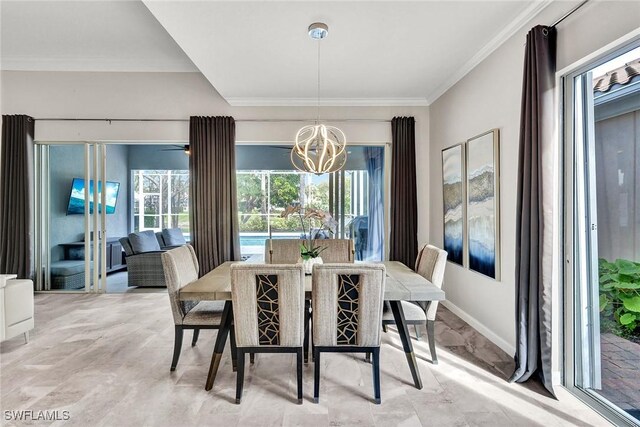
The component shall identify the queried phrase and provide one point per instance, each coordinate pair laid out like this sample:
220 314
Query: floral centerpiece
309 251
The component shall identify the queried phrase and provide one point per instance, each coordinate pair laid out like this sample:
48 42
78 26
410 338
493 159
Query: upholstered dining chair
287 251
347 311
181 267
430 264
337 250
268 312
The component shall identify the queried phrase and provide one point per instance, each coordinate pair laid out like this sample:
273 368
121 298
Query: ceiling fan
184 148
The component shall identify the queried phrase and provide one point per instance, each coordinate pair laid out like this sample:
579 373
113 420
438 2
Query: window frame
138 197
572 296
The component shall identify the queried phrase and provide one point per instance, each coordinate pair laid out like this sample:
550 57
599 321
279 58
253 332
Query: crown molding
507 32
327 102
89 64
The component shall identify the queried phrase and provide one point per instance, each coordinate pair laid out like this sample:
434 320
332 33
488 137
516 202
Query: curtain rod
61 119
566 15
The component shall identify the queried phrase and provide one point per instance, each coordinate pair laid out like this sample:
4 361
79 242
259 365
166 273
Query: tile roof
620 76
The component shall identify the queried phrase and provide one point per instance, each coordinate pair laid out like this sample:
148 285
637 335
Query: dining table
401 284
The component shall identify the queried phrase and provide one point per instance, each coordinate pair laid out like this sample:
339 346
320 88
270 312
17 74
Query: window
266 185
603 235
161 200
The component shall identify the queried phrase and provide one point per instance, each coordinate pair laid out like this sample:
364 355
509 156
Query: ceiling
259 53
86 36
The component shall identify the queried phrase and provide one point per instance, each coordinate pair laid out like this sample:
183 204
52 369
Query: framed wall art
453 192
483 204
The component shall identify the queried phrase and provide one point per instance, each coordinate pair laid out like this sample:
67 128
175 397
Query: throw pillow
173 237
143 241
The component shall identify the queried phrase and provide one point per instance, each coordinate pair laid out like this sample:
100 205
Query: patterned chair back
287 251
180 267
430 264
347 304
268 304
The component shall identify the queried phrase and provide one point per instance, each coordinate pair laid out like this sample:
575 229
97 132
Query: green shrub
253 223
620 293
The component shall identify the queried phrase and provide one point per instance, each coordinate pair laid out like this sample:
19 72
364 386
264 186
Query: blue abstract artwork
453 202
483 204
76 199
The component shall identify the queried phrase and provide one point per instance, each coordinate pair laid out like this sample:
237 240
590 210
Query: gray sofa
143 257
170 238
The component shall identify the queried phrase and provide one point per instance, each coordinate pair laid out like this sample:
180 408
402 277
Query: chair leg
316 376
307 313
252 358
415 328
367 357
240 376
234 350
299 374
196 333
432 340
376 375
26 337
177 346
384 328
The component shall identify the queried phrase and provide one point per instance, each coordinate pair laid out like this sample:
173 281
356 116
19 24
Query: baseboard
478 326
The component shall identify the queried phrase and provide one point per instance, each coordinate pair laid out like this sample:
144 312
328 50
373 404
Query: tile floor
105 359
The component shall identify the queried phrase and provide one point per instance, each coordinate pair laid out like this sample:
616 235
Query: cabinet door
108 258
116 255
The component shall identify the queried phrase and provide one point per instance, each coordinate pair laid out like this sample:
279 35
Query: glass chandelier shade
319 149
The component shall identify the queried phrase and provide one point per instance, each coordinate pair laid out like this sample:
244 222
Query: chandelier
319 148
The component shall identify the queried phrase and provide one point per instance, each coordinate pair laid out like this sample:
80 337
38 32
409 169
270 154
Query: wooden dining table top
402 284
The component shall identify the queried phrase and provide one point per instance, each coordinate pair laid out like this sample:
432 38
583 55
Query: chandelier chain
318 89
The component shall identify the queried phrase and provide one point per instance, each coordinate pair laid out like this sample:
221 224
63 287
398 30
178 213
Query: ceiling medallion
319 148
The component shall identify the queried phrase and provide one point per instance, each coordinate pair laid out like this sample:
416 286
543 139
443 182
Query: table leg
403 331
225 326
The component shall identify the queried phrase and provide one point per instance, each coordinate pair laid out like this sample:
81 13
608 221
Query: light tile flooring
106 360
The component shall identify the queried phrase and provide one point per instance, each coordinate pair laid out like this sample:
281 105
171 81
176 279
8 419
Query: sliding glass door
603 235
70 244
267 183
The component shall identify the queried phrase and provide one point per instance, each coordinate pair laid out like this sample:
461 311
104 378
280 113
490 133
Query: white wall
180 95
489 97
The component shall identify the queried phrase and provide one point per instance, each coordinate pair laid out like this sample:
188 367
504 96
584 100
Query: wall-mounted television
76 199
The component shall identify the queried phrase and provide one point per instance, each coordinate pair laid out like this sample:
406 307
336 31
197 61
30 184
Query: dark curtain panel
213 208
534 210
375 169
403 244
16 196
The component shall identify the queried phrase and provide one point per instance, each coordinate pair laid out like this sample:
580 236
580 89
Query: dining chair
268 309
181 267
336 250
430 264
287 251
347 311
282 251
